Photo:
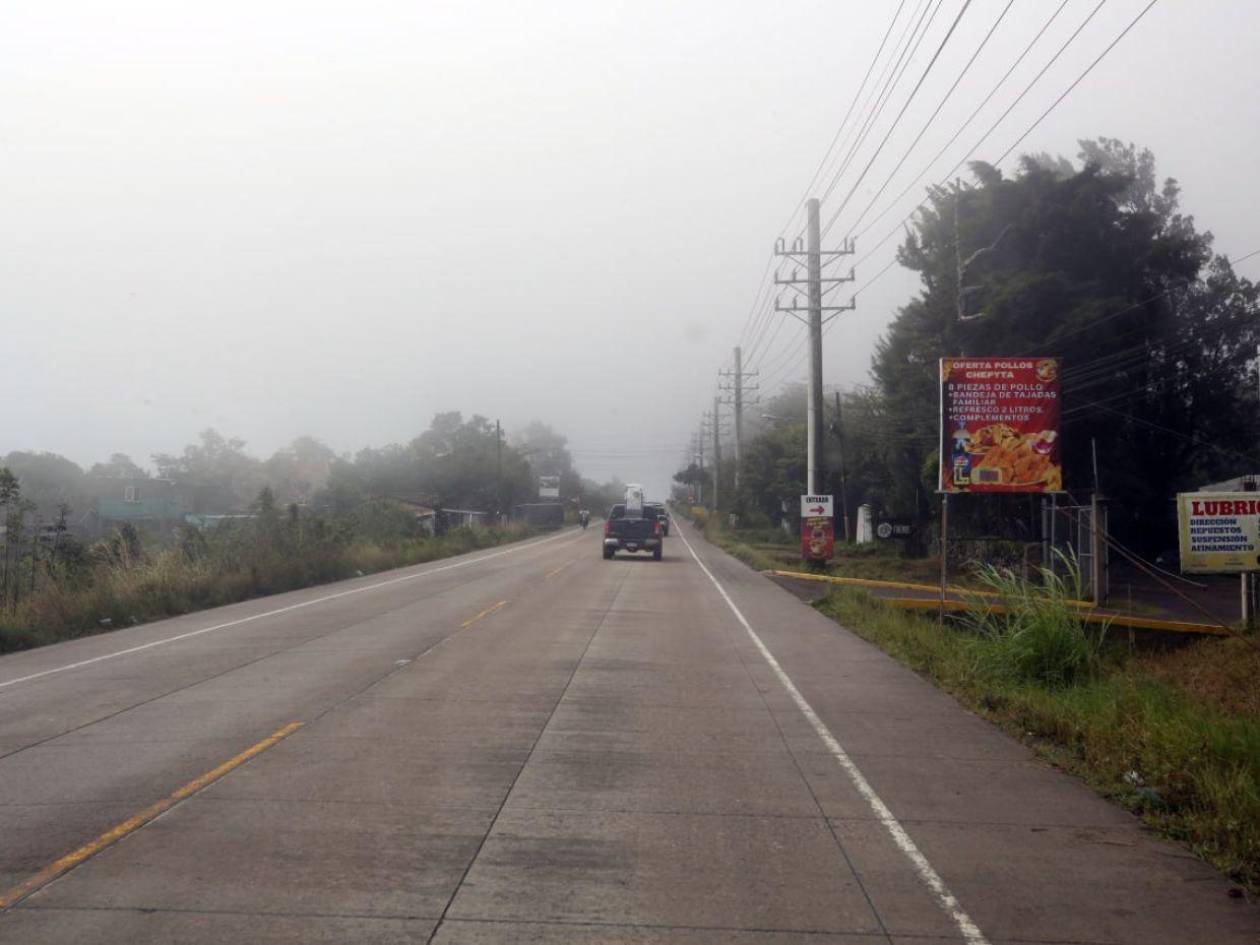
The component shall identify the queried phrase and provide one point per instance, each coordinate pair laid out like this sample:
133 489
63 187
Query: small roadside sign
818 537
1220 532
815 506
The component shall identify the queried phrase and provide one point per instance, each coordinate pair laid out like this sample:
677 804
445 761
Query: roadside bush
123 583
1037 635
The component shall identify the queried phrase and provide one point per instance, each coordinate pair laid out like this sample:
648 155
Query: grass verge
773 549
1187 763
1173 734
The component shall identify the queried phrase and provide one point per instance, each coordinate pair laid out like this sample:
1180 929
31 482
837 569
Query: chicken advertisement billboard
1000 425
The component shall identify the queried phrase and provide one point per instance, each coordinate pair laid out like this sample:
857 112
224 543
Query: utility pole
815 259
711 425
737 389
717 452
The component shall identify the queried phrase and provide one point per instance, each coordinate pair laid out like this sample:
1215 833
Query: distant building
139 501
1237 484
204 521
539 513
454 518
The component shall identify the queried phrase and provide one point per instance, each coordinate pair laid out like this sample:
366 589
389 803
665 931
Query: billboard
818 538
548 487
1219 531
1000 425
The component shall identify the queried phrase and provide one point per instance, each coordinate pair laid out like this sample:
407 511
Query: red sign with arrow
818 539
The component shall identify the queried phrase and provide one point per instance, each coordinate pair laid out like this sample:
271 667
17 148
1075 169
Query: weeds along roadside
1164 732
123 583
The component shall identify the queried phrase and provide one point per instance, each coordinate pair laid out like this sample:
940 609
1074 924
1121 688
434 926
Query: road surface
532 744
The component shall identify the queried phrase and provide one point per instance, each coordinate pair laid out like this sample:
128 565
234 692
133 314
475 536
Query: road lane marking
550 574
481 616
68 862
273 613
970 931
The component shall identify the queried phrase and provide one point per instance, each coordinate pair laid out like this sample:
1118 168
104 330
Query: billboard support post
940 619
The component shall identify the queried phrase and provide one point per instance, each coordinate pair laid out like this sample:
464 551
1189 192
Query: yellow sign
1219 532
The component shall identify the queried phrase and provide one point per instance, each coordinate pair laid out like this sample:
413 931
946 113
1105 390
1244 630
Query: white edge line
279 610
970 931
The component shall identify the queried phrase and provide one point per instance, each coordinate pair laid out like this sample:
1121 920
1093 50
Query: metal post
498 474
814 408
1099 543
1054 514
944 553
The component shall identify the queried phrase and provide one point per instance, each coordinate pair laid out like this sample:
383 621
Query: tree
1099 268
48 480
548 454
119 466
297 472
216 474
11 504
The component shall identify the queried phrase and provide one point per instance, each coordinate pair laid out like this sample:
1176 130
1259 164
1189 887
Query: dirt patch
1219 672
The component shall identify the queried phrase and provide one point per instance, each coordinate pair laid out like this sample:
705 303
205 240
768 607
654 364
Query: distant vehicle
658 509
631 530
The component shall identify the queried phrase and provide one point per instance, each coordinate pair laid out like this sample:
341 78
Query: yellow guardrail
1111 620
900 586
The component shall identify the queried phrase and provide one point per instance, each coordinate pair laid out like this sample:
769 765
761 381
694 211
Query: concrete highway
533 745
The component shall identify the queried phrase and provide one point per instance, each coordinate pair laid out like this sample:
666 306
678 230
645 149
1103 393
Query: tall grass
1036 634
237 563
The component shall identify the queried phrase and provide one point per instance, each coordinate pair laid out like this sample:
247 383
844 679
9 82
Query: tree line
1092 262
304 501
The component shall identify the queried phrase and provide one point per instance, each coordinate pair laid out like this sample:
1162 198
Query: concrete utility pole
737 389
498 475
815 259
717 452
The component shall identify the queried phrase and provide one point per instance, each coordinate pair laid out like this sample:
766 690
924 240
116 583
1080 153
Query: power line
1136 305
913 37
1088 70
1177 433
844 121
891 233
931 118
970 118
888 134
750 325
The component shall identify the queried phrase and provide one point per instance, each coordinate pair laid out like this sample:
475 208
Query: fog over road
535 745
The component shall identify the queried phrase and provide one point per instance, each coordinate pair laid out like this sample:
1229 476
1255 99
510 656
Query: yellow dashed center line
481 616
68 862
550 574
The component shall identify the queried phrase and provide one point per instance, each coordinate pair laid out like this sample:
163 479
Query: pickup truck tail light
607 528
659 528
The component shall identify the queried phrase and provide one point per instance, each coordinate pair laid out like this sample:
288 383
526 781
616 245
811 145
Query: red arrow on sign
818 510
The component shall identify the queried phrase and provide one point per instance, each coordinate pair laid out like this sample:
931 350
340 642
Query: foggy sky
279 218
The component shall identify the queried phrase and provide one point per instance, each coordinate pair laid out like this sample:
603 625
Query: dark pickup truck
636 531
